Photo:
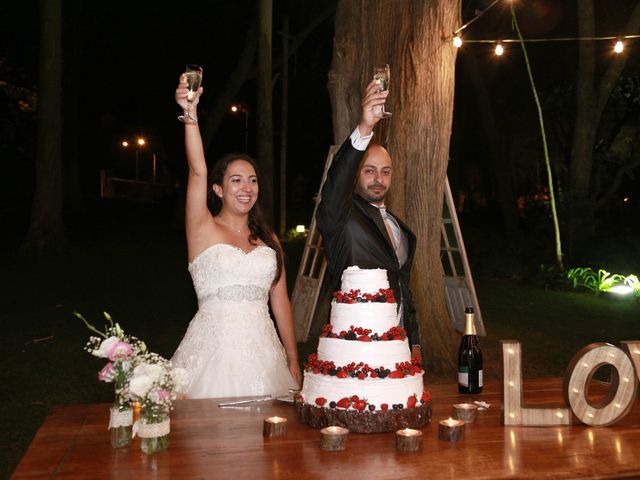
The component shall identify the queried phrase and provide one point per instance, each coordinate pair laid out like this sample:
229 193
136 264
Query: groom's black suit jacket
354 234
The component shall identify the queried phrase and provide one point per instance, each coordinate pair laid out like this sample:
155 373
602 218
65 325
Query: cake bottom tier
364 421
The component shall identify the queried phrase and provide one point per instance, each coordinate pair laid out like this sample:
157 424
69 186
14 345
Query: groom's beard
375 193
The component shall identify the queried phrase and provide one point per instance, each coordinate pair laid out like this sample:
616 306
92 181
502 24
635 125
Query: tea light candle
466 412
274 427
408 440
451 430
333 439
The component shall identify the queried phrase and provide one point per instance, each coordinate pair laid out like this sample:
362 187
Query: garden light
300 229
457 41
621 290
499 49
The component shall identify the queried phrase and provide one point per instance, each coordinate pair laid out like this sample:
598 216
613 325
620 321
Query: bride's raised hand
183 90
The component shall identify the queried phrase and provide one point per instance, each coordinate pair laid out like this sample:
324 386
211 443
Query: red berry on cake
384 407
425 395
320 401
360 405
396 374
364 338
361 376
343 403
342 374
355 398
411 401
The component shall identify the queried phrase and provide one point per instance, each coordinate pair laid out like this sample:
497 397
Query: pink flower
159 395
107 373
164 394
119 351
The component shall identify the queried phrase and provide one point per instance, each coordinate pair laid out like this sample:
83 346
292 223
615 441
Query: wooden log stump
408 440
333 439
274 427
451 430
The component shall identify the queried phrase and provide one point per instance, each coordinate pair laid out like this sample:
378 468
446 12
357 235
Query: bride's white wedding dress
231 347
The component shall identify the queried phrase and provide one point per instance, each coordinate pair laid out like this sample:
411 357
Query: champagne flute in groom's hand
382 76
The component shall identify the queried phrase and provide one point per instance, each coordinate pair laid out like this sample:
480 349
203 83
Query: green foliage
292 235
601 281
633 282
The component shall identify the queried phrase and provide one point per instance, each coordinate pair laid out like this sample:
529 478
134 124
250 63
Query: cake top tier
366 280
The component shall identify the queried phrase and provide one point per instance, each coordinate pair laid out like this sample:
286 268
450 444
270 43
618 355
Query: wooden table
210 442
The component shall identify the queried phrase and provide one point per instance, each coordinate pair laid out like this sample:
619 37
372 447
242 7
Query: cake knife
242 402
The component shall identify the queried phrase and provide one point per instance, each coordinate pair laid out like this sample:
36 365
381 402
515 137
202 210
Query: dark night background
127 256
129 56
126 57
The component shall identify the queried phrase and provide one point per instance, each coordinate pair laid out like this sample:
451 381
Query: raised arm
338 187
198 218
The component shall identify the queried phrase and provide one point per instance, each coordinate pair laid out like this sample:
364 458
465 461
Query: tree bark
45 234
264 114
411 36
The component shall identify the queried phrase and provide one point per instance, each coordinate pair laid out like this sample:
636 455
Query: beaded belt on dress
237 293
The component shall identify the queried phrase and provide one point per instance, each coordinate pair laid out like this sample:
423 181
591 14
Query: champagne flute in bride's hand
193 77
382 75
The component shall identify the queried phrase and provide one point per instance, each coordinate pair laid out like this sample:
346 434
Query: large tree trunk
410 36
265 105
45 233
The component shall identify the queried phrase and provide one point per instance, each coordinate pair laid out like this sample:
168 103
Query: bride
231 347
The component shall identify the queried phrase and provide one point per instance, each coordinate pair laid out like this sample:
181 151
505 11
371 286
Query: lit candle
466 412
333 439
136 411
274 427
451 430
408 440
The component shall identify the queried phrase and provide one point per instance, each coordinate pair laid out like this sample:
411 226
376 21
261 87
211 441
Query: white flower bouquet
140 377
123 352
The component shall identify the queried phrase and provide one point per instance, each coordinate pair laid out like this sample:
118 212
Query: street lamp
140 143
240 108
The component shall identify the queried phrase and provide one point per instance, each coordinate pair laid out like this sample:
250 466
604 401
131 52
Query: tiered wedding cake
363 377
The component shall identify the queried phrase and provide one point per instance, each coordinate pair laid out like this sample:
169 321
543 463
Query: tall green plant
554 213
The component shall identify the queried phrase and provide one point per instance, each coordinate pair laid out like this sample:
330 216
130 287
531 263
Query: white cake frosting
376 391
365 280
376 354
378 317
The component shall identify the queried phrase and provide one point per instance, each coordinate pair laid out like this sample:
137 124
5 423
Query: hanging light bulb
618 47
457 41
499 49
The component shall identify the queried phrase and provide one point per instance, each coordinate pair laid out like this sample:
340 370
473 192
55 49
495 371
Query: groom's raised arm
337 191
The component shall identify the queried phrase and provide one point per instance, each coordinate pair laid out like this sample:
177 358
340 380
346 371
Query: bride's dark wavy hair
257 226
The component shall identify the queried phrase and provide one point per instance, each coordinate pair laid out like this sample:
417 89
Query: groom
356 227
